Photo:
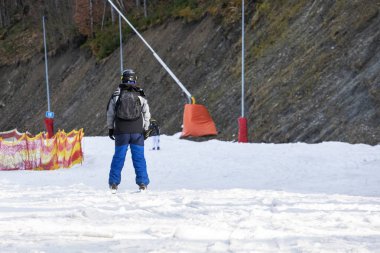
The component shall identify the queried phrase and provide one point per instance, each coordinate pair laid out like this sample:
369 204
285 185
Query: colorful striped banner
22 151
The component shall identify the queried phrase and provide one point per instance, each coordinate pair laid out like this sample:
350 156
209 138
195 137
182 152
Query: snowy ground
204 197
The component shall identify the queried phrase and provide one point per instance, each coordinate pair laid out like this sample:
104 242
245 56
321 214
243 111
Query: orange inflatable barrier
197 121
22 151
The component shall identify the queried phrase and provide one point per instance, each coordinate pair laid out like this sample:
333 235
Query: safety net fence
23 151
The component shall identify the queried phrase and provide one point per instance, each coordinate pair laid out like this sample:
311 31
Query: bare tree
19 3
104 14
145 11
91 18
121 5
112 15
3 14
81 16
76 7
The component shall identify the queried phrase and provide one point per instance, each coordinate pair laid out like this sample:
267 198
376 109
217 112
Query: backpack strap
141 91
114 94
134 88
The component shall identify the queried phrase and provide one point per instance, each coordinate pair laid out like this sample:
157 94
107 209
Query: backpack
128 105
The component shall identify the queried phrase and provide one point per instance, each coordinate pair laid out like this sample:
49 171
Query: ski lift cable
190 98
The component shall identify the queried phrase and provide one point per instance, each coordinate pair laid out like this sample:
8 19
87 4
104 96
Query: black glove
147 133
110 134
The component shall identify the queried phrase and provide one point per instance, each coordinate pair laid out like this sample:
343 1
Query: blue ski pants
136 142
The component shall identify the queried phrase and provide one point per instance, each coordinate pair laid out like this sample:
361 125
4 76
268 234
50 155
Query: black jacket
122 126
155 128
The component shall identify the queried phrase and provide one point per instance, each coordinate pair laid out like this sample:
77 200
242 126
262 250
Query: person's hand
110 134
147 133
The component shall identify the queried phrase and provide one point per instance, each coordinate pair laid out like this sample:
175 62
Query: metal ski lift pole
190 98
46 65
242 60
121 47
49 116
243 129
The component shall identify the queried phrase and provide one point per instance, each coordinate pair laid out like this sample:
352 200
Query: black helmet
129 76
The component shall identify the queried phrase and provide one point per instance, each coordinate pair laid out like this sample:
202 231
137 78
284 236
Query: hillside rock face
319 78
312 75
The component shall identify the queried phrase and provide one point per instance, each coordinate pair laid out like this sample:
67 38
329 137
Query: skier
155 134
128 119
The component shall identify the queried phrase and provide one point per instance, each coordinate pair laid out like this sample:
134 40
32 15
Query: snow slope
204 197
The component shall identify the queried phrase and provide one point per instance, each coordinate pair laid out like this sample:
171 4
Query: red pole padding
49 124
243 130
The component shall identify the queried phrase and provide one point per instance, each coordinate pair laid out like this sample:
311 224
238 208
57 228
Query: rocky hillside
317 75
312 74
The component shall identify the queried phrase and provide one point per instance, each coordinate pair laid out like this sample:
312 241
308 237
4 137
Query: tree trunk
145 11
112 15
121 5
138 3
76 6
104 15
91 19
2 14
